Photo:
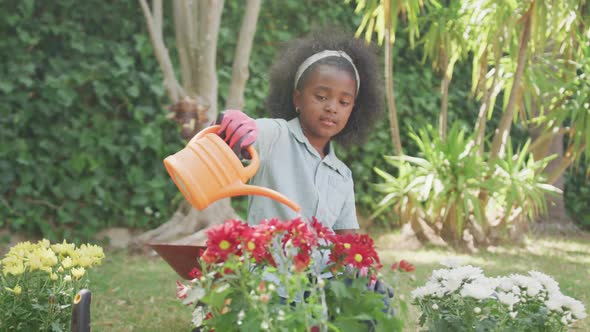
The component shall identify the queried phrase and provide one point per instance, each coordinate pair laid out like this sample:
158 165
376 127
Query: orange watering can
207 170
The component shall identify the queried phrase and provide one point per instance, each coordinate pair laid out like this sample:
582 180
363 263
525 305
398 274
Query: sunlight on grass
137 293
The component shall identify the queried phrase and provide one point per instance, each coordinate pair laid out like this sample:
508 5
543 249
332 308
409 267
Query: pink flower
181 290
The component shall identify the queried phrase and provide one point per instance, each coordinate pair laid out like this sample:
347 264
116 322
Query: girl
323 88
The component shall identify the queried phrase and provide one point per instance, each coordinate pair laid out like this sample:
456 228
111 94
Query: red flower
357 250
256 241
302 259
195 273
299 234
406 266
314 328
223 240
322 231
394 266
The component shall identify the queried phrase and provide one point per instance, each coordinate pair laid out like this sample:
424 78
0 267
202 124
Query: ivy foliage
82 130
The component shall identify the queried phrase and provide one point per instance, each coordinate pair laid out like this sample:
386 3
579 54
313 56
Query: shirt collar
330 159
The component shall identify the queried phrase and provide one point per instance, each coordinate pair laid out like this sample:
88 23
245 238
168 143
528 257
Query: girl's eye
344 103
322 98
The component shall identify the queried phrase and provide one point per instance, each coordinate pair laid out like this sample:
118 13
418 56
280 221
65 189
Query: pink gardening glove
238 130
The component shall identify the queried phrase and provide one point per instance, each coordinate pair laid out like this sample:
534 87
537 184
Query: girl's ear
296 98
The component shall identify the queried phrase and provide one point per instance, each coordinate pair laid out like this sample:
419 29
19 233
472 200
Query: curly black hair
369 103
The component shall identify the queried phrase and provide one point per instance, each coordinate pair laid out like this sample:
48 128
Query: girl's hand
238 130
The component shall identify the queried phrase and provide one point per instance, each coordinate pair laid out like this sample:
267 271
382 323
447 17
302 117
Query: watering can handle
249 170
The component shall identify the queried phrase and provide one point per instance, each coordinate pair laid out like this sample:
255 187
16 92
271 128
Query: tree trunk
240 73
197 26
444 105
489 98
556 220
389 90
503 131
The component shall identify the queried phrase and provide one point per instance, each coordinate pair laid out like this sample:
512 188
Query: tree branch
567 160
209 19
183 27
172 87
503 130
240 73
389 89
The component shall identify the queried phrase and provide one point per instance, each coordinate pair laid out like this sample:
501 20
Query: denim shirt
290 165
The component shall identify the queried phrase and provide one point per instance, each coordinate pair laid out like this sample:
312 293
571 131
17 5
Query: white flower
505 283
555 302
241 315
264 325
477 310
431 288
419 292
549 283
513 314
508 299
439 274
477 290
534 289
450 285
451 262
516 290
435 306
532 285
575 307
198 316
467 272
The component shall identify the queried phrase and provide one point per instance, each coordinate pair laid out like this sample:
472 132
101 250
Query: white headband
324 54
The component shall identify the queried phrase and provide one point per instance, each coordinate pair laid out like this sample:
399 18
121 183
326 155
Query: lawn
137 293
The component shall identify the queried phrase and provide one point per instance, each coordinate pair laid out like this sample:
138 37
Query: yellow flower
64 248
48 257
53 276
35 262
78 272
67 262
14 269
44 243
17 290
89 255
67 277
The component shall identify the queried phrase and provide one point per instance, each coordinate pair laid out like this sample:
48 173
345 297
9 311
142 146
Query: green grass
137 293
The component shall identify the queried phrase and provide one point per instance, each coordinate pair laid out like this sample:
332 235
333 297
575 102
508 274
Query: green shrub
82 129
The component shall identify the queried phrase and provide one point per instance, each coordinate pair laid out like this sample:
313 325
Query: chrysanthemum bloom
357 250
299 234
322 231
406 266
195 273
256 241
302 259
224 240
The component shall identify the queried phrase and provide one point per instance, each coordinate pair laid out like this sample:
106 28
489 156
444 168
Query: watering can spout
239 189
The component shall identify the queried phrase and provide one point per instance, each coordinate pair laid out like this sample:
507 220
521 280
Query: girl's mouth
328 121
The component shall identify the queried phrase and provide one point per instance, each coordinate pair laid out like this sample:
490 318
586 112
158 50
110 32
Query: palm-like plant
443 185
522 184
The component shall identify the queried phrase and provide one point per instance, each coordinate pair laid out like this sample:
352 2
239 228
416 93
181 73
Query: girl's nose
330 107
